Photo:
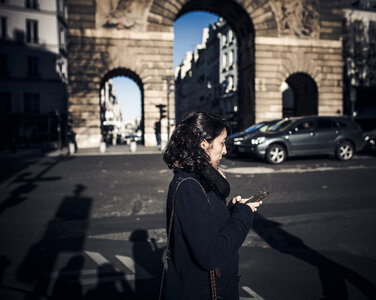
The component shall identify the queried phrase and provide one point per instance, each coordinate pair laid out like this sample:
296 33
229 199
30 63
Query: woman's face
216 149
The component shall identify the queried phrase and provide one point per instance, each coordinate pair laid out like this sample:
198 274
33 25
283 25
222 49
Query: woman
205 234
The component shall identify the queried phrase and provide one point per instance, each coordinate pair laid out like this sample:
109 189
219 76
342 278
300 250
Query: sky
188 34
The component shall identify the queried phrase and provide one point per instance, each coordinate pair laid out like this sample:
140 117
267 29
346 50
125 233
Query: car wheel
345 150
276 154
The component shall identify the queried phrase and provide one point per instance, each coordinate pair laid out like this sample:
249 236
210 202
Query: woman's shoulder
181 176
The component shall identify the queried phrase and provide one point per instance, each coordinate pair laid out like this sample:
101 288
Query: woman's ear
204 145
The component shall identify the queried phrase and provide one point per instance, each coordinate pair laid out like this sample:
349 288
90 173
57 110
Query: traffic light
162 111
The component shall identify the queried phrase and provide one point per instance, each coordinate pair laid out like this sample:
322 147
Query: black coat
206 234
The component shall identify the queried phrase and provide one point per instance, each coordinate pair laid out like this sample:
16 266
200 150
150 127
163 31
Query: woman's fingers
236 199
254 205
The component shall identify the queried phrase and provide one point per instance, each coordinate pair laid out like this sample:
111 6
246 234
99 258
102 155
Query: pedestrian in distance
157 129
204 234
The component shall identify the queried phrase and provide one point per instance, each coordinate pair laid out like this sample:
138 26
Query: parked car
132 137
370 140
300 136
234 140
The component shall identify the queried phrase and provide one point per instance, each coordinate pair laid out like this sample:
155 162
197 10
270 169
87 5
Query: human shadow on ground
67 285
136 277
64 234
148 264
112 284
27 184
333 276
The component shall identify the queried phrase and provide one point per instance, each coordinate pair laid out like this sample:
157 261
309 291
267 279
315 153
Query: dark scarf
217 180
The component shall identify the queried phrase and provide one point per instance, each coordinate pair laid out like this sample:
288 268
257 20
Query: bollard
102 147
71 148
133 146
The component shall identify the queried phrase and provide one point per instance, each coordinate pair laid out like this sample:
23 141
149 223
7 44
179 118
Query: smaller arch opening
121 108
299 96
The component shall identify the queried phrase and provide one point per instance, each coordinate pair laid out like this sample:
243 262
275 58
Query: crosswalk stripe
98 258
133 266
251 293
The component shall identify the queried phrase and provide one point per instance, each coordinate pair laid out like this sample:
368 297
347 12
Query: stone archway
304 90
132 75
275 40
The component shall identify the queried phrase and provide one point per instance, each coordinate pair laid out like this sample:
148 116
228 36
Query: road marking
265 170
133 267
251 293
98 258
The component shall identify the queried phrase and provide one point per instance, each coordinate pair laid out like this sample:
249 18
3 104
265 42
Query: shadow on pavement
68 286
4 263
148 265
28 184
111 285
332 275
64 234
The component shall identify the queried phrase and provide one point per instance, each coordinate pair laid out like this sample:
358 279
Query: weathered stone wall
138 36
278 58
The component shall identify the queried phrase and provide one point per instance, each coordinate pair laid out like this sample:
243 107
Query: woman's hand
252 205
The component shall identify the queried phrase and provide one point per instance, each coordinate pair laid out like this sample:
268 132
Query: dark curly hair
183 150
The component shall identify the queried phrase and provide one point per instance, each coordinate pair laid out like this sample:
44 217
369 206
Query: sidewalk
116 150
25 153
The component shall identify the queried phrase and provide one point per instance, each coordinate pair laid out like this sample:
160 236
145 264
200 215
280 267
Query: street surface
92 227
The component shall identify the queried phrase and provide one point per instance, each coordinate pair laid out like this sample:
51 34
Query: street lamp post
168 80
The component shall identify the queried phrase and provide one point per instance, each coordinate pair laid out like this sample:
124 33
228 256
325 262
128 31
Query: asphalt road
92 227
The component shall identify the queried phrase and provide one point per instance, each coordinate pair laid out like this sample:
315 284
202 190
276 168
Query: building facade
207 77
111 116
33 74
293 42
359 51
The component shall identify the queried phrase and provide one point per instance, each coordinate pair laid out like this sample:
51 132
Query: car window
280 126
325 124
254 127
304 126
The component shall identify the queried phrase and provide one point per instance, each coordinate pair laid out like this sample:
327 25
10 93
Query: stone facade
207 78
276 38
33 72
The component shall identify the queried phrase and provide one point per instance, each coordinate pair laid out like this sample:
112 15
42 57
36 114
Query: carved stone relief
297 17
122 14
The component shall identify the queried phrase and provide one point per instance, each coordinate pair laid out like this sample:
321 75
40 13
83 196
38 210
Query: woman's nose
224 150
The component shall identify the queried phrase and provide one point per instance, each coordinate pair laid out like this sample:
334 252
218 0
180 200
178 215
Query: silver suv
311 135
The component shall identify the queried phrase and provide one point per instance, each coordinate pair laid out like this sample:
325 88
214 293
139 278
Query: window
32 31
372 31
5 102
62 8
33 4
305 126
230 35
32 66
324 124
3 65
230 84
62 37
224 62
31 103
3 28
231 57
224 40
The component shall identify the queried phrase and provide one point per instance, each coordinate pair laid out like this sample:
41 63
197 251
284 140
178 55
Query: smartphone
257 197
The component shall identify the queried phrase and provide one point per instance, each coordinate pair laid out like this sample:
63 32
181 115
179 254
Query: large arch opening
241 24
121 121
299 96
